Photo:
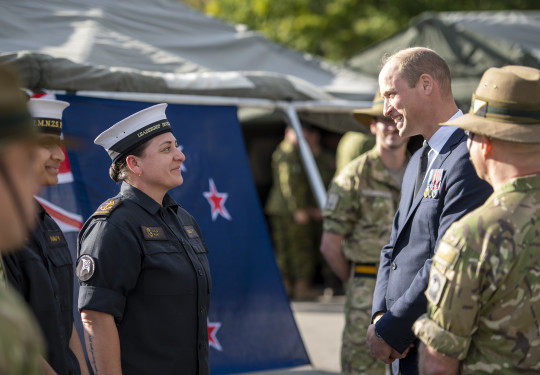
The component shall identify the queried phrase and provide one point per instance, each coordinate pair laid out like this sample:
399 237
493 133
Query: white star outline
217 201
213 328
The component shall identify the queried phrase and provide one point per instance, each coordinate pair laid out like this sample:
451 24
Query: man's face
49 156
386 133
401 102
18 207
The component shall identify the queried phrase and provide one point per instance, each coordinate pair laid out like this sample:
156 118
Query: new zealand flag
250 324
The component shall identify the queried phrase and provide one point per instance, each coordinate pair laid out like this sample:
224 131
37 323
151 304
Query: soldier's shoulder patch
435 286
107 207
332 201
446 255
85 267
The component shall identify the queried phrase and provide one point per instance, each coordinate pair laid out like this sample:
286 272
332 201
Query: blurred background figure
351 145
295 218
42 272
362 200
21 343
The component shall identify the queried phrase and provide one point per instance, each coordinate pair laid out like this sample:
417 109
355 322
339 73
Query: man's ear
487 147
426 83
373 126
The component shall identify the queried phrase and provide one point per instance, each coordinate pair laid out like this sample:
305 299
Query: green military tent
470 42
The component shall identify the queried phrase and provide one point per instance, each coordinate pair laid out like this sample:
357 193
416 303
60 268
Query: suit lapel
438 163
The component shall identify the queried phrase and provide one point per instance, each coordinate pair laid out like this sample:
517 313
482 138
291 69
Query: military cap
505 105
47 115
365 115
131 132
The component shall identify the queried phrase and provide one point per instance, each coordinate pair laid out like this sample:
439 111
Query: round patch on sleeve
85 267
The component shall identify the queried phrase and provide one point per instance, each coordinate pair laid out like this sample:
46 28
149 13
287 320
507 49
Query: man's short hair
415 61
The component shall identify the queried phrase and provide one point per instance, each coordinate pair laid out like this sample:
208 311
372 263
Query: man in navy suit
415 84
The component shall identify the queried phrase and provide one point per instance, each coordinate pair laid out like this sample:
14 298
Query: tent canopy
470 42
164 36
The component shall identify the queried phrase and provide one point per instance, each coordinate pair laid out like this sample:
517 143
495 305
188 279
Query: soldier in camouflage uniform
21 343
484 287
362 201
351 145
293 213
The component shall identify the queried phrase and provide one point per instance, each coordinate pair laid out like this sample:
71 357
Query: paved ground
320 324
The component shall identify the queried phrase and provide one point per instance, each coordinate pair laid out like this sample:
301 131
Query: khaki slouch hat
505 105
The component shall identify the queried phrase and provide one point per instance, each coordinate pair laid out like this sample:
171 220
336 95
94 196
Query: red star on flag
217 201
213 327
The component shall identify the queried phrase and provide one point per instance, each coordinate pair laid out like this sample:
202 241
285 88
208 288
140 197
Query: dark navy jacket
418 226
151 273
43 273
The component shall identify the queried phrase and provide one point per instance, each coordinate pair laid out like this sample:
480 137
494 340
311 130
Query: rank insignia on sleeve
332 201
85 267
154 233
190 231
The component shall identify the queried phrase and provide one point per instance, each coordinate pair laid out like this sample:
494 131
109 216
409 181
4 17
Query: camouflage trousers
295 247
355 356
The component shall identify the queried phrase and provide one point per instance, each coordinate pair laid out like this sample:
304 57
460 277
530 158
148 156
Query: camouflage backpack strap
107 207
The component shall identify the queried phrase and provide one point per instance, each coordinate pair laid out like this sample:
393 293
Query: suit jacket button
394 266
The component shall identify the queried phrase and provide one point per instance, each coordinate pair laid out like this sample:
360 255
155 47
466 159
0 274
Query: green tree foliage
336 29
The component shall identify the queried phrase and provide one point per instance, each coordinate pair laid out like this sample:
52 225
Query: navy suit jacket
418 226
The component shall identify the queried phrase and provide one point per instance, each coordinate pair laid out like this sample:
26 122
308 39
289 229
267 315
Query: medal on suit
434 183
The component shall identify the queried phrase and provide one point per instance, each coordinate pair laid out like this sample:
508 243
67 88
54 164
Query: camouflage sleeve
21 343
341 211
454 298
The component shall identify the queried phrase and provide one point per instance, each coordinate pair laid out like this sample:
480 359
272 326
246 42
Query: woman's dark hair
119 169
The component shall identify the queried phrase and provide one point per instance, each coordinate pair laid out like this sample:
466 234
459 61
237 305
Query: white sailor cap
47 114
126 135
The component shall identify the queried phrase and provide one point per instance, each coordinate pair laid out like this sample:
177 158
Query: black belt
365 270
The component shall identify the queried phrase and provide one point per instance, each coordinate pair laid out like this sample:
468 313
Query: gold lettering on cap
153 128
47 123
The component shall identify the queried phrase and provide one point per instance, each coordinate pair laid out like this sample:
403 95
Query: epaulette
107 207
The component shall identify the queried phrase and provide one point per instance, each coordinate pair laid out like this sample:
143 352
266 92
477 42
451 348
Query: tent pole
313 174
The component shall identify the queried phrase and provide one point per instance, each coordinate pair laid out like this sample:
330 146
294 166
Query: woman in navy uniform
42 272
142 267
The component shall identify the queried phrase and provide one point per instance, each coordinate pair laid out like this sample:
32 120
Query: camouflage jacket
21 343
362 201
290 186
484 288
